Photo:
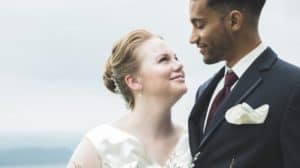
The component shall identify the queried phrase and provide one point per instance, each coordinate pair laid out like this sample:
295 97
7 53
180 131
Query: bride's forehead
154 46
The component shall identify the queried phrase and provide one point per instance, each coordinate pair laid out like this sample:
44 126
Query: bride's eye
163 59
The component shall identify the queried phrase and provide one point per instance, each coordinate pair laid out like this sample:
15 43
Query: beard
219 45
217 50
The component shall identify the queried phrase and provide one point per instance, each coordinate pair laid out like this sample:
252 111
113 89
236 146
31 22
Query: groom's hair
252 8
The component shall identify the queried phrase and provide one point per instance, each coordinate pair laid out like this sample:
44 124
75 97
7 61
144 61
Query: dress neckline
132 137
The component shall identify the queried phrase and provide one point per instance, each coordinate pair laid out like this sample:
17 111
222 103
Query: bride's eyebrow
161 55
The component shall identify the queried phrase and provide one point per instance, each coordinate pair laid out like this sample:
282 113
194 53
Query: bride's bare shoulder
85 155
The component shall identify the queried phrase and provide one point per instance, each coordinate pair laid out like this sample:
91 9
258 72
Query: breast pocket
239 138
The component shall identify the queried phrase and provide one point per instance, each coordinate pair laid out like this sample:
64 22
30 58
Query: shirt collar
243 64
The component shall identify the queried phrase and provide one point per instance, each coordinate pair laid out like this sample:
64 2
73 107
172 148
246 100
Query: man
248 114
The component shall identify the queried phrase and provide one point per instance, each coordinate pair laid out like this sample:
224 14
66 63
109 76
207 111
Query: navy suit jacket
273 144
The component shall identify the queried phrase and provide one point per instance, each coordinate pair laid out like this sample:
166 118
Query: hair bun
108 77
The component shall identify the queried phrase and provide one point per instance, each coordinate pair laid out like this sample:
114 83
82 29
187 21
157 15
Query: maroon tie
230 79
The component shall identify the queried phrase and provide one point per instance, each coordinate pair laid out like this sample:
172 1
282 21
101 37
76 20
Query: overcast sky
52 54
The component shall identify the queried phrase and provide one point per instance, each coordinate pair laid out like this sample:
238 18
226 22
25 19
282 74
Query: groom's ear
234 20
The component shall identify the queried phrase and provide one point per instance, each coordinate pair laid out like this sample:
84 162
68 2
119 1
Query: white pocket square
245 114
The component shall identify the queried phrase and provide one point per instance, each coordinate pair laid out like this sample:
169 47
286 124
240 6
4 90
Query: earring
140 94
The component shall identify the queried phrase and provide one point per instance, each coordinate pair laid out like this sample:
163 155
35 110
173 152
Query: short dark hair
252 7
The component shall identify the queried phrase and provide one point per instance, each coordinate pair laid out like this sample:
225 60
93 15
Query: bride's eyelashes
166 58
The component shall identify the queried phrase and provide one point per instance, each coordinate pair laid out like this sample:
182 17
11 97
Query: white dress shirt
239 69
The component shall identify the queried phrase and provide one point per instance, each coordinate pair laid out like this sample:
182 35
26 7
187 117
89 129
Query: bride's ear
133 82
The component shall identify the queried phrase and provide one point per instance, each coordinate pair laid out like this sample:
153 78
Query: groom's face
209 33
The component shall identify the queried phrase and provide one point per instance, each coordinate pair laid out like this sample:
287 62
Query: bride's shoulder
182 134
181 130
100 128
101 133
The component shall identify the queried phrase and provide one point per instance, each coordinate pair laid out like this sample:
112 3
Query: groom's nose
194 36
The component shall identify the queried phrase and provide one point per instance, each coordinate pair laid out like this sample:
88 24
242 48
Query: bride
147 73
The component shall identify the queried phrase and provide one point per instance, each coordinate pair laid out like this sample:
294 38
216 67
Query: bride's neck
150 119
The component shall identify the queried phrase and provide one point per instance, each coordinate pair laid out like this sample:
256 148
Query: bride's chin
180 93
183 90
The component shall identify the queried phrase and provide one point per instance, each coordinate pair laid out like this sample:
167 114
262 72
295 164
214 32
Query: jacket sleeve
290 133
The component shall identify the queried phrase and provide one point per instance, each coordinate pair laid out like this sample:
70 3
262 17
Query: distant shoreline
34 156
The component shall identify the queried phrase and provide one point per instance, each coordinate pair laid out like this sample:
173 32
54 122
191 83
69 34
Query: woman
147 73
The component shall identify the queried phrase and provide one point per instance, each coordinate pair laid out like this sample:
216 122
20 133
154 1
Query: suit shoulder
288 65
290 70
202 87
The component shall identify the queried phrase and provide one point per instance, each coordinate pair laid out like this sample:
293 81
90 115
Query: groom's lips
202 47
202 50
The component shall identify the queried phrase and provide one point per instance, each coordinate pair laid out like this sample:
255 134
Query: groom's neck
245 42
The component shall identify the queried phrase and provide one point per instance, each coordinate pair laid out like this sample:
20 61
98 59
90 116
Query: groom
262 127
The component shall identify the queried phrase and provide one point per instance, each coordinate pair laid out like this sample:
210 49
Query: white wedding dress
118 149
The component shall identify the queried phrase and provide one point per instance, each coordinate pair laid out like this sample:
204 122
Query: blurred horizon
37 149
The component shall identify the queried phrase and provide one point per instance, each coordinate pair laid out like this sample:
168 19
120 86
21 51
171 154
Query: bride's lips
179 77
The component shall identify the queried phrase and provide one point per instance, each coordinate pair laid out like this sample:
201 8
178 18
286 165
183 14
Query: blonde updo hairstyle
124 61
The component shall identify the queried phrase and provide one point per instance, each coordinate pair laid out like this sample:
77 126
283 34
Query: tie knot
230 79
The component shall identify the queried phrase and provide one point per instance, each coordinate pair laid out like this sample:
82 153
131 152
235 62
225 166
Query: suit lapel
197 116
245 86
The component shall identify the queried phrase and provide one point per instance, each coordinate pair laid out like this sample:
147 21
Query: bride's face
160 73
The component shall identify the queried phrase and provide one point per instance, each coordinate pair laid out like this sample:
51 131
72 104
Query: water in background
37 166
37 150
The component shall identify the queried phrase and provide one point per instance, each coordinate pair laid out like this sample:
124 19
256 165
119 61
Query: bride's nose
178 66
